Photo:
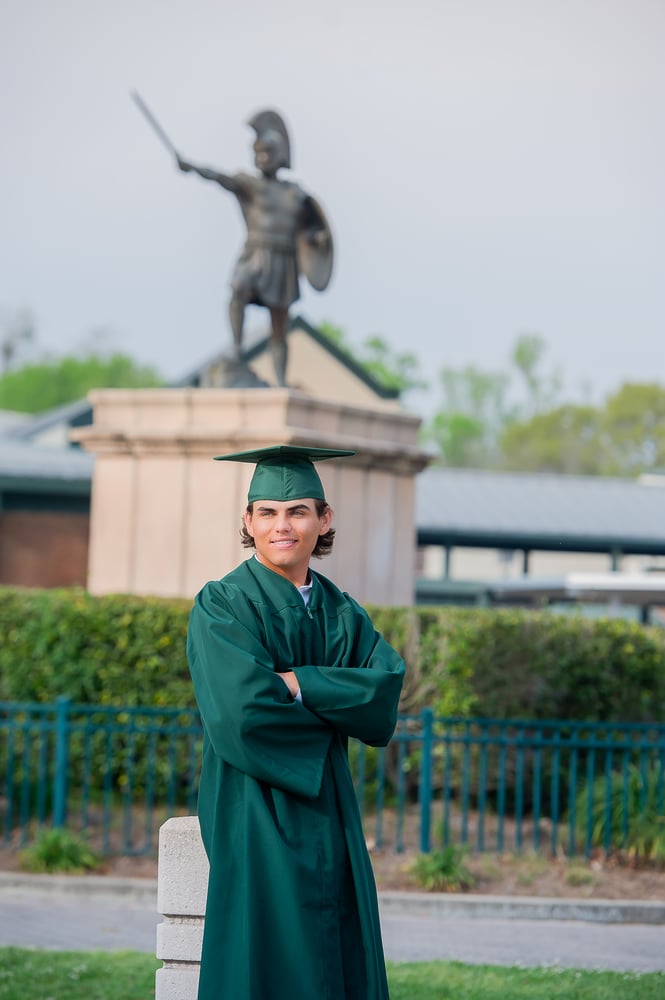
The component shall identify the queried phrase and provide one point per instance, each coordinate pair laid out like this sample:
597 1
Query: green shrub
625 809
58 850
443 871
129 650
120 650
514 663
114 650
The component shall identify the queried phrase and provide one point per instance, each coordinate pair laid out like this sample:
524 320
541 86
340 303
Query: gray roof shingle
467 502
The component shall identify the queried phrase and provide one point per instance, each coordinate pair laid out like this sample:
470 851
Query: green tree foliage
46 384
513 421
564 440
478 406
392 370
459 437
624 436
632 423
542 390
475 408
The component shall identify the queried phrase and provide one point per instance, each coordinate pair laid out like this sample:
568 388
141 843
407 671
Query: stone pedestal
182 884
166 518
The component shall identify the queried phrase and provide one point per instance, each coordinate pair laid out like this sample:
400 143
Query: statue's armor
267 271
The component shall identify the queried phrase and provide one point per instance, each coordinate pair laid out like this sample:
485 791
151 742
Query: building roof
470 507
25 468
70 414
261 344
641 589
12 420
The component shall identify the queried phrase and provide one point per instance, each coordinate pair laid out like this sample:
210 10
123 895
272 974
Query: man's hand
291 682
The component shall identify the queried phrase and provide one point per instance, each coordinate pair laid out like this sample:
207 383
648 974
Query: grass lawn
57 975
455 981
27 974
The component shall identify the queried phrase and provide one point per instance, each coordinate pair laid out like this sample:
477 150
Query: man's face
285 533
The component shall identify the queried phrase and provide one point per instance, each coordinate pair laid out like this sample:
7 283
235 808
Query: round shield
315 247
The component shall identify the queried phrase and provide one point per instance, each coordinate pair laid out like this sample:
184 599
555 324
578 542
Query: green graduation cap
285 471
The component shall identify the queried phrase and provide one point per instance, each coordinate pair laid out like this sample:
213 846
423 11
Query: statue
287 235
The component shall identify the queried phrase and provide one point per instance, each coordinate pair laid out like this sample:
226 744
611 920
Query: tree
542 390
633 429
564 440
18 331
475 409
37 387
393 371
479 406
459 439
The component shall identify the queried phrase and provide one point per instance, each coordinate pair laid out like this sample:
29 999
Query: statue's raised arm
209 174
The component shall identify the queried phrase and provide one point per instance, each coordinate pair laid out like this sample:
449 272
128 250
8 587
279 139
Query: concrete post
182 884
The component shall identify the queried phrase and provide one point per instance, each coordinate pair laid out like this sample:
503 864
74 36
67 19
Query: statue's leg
280 322
237 317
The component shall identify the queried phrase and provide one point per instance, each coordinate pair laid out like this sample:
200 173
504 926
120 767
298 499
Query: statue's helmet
269 127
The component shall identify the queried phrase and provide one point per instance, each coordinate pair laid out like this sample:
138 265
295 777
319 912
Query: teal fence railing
502 785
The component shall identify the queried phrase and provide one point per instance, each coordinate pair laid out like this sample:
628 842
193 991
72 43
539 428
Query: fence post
426 780
61 761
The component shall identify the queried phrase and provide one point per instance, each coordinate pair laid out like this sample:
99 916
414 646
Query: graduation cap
285 471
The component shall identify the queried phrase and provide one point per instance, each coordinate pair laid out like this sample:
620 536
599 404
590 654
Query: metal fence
112 773
117 773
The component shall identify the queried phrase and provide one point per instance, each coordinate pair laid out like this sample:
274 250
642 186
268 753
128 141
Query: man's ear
248 522
326 521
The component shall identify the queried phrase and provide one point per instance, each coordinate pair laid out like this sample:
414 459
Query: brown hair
323 545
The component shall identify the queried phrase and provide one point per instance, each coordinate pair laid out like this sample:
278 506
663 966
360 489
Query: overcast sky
489 167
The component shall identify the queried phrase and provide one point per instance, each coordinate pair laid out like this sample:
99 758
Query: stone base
165 517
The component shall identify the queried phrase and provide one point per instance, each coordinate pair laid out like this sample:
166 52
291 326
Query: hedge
128 650
113 650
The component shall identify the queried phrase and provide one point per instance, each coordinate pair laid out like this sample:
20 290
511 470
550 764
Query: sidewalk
101 913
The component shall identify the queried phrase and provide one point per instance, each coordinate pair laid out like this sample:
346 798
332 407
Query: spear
143 107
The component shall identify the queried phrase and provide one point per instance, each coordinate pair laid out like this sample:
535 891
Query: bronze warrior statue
287 234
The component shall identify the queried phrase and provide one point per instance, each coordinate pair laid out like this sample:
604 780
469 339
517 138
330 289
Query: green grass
455 981
76 975
27 974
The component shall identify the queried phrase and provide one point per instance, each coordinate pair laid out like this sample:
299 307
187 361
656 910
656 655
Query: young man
286 668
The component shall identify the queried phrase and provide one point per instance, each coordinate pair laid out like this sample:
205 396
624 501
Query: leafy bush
114 650
443 871
129 650
121 650
625 809
58 850
513 663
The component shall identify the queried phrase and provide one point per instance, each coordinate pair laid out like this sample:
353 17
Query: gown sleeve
248 714
362 702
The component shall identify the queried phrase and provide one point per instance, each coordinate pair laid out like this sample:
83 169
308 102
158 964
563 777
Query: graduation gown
292 910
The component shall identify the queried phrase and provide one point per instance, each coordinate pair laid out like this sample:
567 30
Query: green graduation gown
292 910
